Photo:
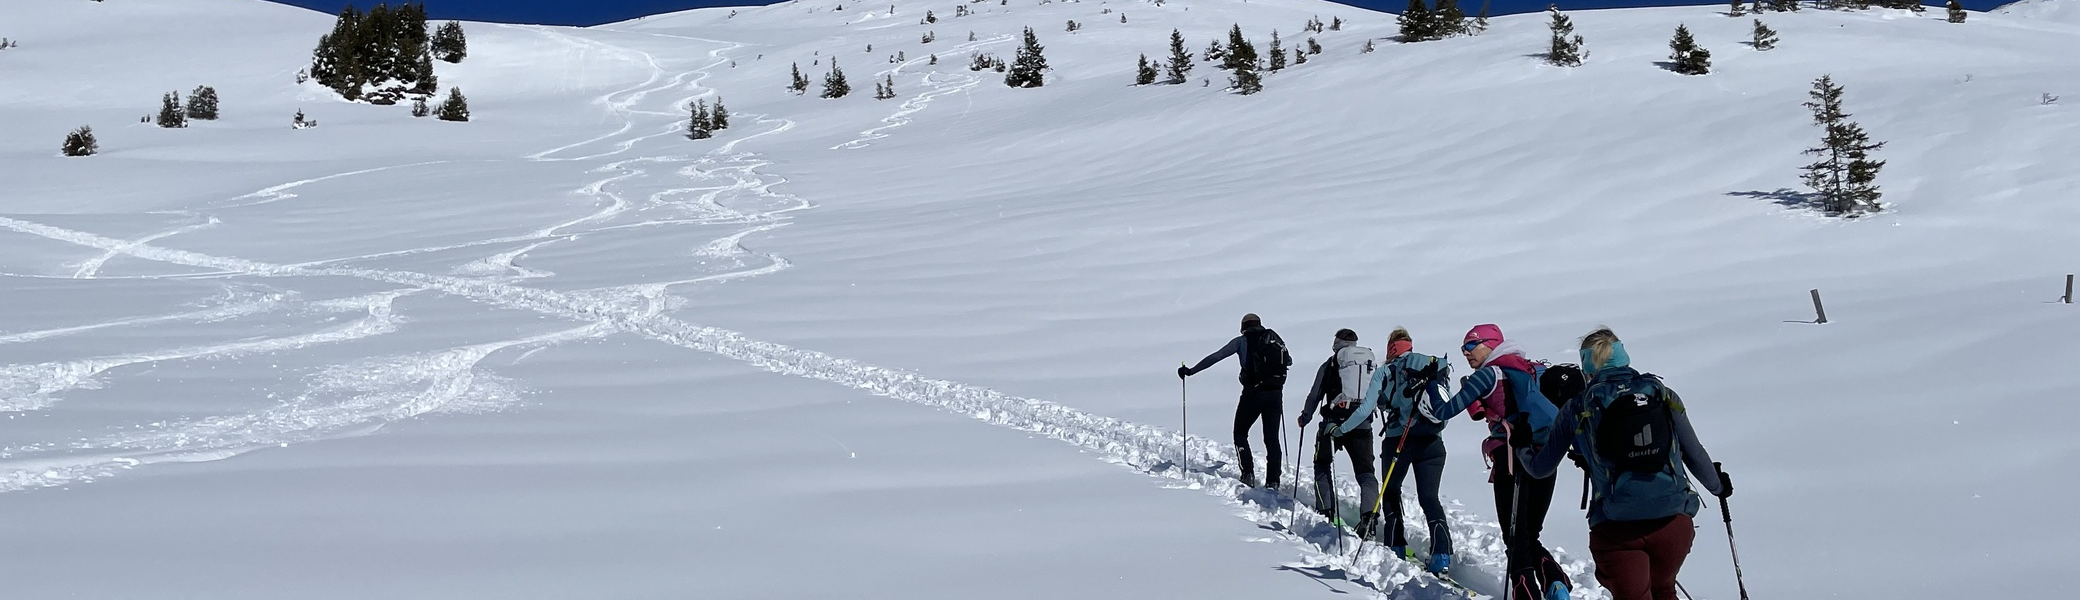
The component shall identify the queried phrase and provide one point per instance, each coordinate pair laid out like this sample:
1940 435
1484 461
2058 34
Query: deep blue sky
594 12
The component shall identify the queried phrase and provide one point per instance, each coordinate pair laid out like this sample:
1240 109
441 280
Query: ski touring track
942 85
385 389
359 397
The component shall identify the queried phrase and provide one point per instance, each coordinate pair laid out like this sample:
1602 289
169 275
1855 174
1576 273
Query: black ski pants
1266 405
1522 501
1358 444
1424 455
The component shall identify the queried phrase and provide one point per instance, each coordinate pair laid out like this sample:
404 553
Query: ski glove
1580 462
1725 482
1183 371
1304 419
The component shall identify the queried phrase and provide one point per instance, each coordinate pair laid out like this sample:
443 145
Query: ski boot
1368 527
1440 564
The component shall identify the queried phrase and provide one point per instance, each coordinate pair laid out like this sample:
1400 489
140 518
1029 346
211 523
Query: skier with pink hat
1503 390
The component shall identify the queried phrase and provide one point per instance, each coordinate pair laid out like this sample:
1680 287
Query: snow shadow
1785 197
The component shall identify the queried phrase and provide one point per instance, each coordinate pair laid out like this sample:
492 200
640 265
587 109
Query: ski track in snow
358 398
33 387
93 266
236 304
959 82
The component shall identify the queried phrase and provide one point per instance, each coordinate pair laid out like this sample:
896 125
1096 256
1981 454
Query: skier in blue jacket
1636 439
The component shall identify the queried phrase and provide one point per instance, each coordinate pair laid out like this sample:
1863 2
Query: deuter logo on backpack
1634 432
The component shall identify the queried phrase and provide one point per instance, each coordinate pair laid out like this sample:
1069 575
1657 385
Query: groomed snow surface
561 351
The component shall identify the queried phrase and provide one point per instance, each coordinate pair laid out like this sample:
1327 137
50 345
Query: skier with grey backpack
1339 391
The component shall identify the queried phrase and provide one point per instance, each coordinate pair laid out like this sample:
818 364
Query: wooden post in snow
1819 310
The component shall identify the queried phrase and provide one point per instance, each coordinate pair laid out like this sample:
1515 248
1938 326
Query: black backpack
1264 359
1636 432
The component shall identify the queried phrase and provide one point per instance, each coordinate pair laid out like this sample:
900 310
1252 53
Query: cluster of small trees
1239 57
1423 23
983 61
174 114
886 88
385 54
7 43
705 121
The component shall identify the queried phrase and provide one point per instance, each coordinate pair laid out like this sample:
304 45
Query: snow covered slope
562 351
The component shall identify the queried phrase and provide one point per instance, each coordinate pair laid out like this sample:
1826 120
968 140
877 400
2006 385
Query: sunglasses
1471 345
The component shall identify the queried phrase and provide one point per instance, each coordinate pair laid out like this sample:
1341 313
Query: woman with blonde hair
1636 437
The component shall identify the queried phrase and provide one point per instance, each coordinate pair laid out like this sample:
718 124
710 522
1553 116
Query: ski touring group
1626 430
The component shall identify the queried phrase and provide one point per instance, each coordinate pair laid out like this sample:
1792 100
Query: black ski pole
1184 412
1727 514
1585 489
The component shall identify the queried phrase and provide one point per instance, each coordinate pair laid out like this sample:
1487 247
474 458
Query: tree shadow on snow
1785 197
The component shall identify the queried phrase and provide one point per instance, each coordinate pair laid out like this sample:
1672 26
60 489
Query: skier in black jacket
1264 363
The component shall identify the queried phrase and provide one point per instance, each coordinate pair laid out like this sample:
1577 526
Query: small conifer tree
1369 47
1277 53
419 107
202 104
171 114
834 84
1566 49
797 83
1685 56
1844 176
1239 52
1144 73
1027 70
1214 52
700 125
1180 61
1313 47
1480 23
1447 20
449 43
888 85
1765 38
1956 10
1416 22
1335 23
1739 8
1246 81
81 142
302 123
1299 57
455 108
718 119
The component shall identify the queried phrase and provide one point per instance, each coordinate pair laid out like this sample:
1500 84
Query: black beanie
1347 335
1251 319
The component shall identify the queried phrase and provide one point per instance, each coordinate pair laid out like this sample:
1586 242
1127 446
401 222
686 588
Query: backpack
1401 384
1264 359
1520 390
1635 431
1631 428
